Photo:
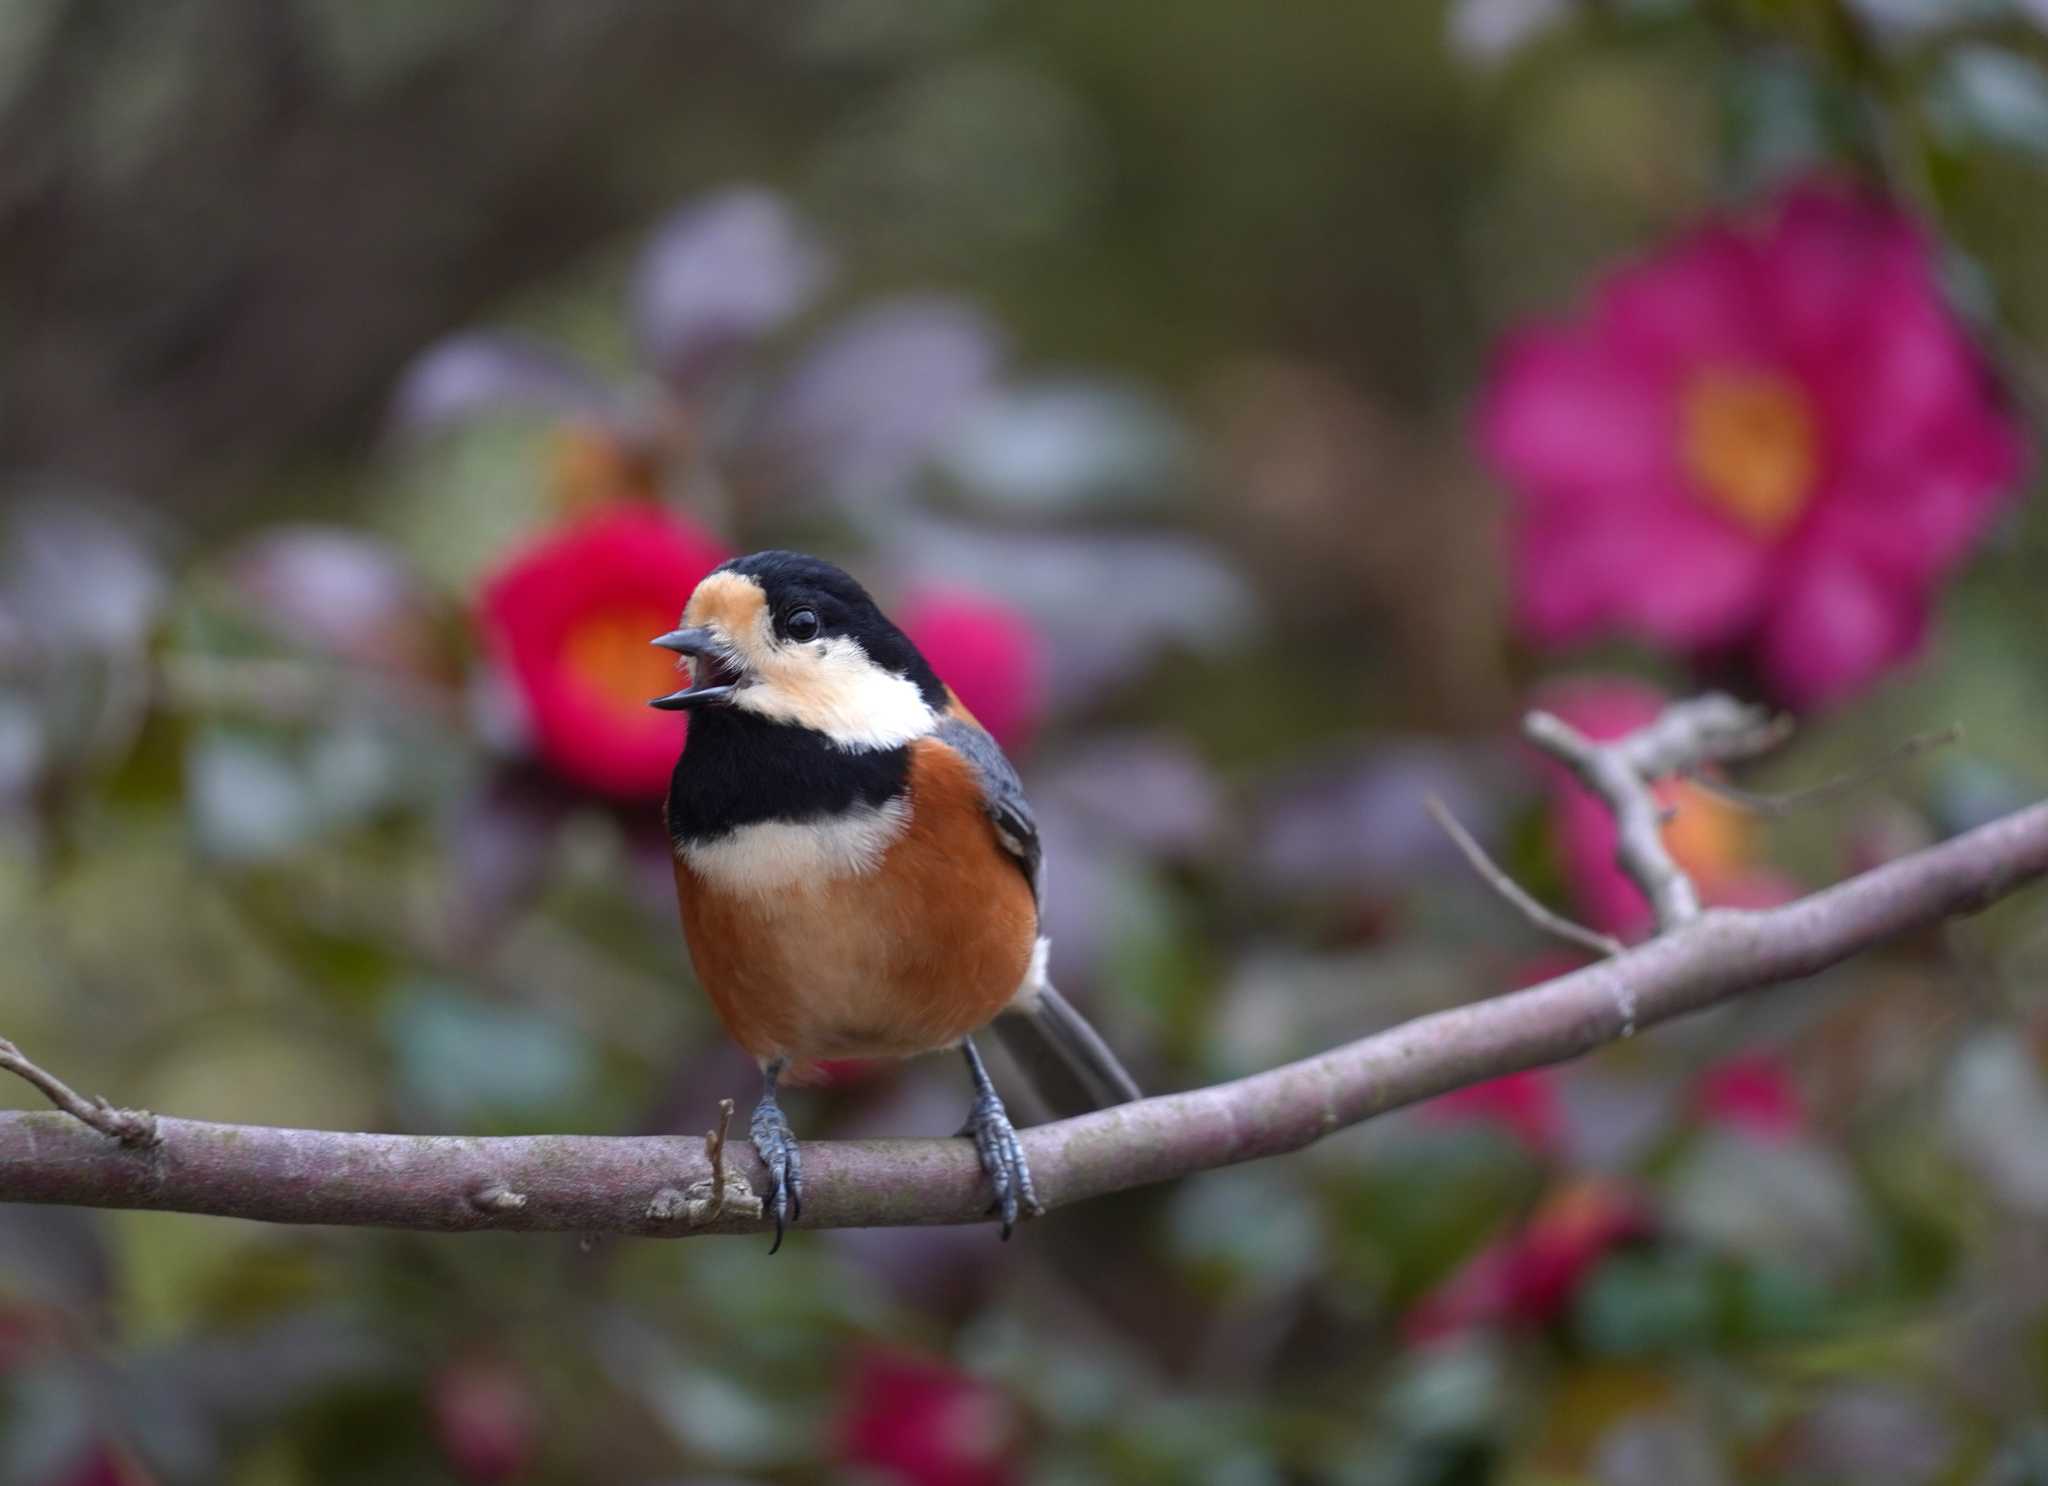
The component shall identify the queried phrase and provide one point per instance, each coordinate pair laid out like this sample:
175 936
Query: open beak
712 678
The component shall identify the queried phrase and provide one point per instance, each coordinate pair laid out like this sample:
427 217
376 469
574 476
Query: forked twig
135 1128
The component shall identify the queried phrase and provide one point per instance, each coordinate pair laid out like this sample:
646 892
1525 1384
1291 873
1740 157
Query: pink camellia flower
918 1422
1529 1276
987 652
1711 840
1770 436
569 619
1524 1105
1752 1093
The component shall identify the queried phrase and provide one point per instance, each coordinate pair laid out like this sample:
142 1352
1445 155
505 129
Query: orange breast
908 957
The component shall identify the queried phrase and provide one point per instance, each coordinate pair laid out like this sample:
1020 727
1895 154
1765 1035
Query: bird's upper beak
712 676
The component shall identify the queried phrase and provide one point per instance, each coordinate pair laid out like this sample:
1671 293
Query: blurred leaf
974 150
481 371
1253 1231
1058 446
80 573
1107 603
1488 33
365 44
56 1256
49 1423
1987 93
1350 822
874 395
1420 1211
337 591
1793 1201
499 844
1658 1450
1643 1305
464 1063
879 31
1995 1112
254 1068
248 799
711 1411
1147 791
1786 115
1875 1434
718 275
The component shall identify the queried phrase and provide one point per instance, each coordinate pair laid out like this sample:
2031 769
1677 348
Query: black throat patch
738 768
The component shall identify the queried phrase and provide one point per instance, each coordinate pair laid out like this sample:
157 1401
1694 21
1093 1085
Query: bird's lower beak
712 677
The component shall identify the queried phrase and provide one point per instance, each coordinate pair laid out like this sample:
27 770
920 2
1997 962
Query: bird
858 873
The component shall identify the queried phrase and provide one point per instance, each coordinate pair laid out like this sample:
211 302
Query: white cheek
834 688
778 856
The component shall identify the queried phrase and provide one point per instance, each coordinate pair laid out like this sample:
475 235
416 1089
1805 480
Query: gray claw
777 1148
1002 1157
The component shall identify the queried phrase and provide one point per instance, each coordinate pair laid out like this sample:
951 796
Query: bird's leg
995 1141
776 1147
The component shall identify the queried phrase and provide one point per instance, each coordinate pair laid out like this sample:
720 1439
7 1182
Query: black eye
801 624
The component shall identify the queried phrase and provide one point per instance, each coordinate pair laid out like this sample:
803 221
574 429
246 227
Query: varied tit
857 867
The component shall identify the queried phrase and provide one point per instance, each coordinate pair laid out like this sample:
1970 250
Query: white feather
832 687
780 856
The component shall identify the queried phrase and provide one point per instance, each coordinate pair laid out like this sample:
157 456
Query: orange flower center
1709 838
1749 443
608 651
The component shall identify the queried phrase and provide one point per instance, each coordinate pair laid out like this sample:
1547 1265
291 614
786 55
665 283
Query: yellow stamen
1749 443
1710 839
607 651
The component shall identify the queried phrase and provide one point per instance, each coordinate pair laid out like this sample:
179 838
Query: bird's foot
1002 1157
776 1147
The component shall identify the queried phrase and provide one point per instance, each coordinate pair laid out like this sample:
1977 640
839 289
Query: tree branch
1623 773
630 1185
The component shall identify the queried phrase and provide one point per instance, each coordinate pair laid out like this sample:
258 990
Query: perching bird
857 867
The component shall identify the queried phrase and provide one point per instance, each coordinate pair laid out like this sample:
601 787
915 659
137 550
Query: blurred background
1251 410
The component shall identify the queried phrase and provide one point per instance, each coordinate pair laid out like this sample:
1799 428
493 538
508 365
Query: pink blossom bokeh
1769 438
987 652
1530 1275
918 1421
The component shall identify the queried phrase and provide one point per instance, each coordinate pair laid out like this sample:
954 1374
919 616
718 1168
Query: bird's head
795 640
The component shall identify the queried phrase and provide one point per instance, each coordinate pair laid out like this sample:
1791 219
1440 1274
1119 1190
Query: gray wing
1002 792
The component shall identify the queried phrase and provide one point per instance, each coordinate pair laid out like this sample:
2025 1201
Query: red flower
484 1419
1772 435
1525 1105
1530 1276
1710 839
922 1423
1752 1093
570 617
985 651
103 1465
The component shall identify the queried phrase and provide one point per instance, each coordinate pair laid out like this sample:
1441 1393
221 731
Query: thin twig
1850 779
714 1152
136 1128
1496 877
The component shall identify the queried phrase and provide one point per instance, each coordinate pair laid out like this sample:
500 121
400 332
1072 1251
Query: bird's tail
1070 1067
